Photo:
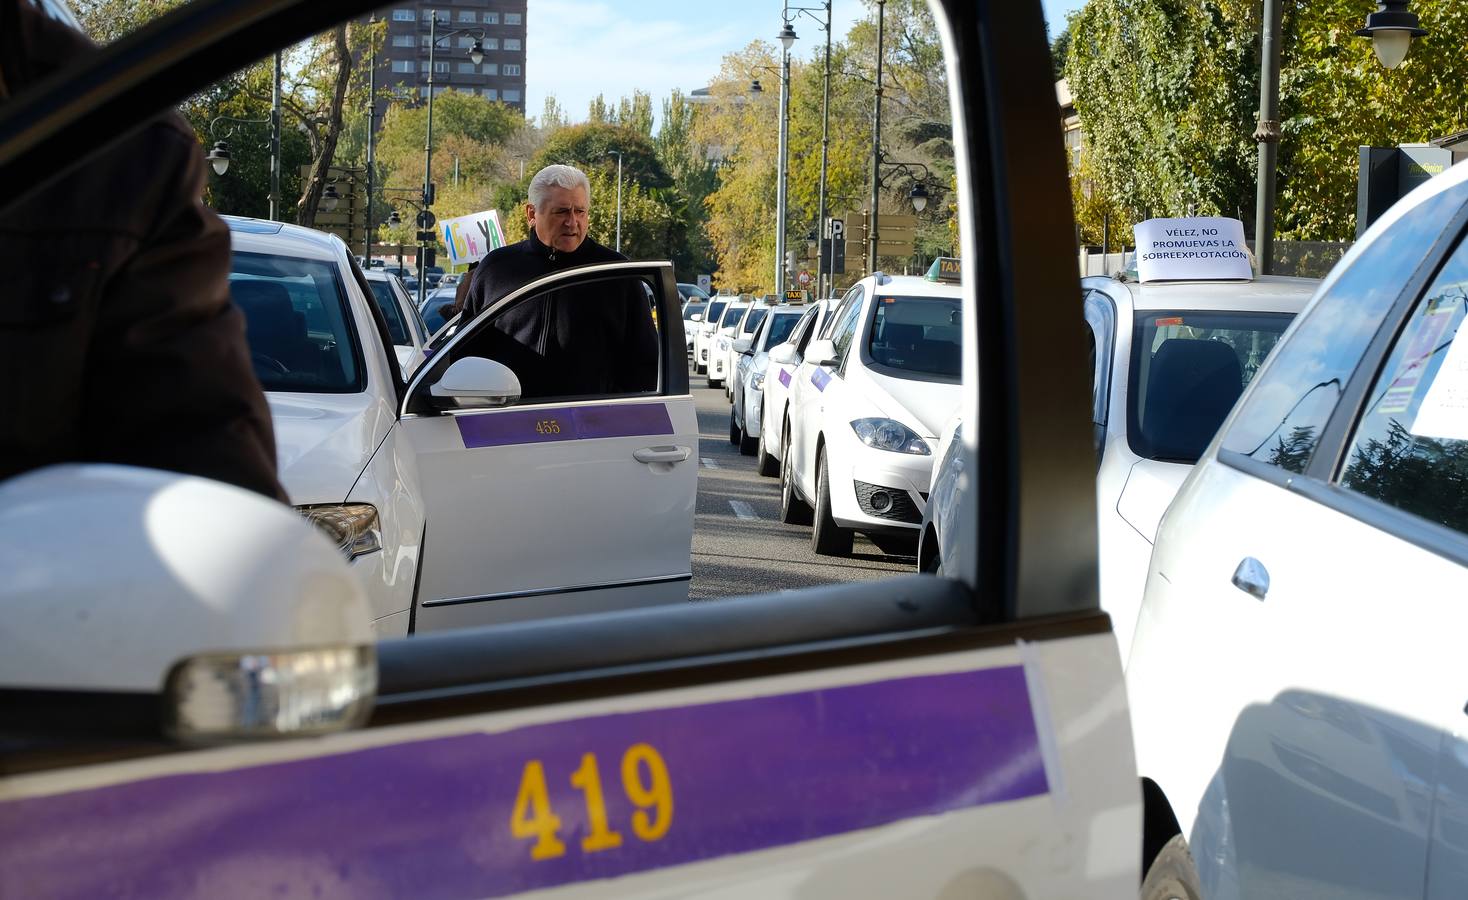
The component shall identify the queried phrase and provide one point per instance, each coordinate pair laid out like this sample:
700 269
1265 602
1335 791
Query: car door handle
662 454
1252 578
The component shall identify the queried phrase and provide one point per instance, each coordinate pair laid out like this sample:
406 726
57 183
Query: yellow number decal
548 426
658 794
532 816
588 780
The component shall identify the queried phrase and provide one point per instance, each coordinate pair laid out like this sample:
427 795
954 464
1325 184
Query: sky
579 48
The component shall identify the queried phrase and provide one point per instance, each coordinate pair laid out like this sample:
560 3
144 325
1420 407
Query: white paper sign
469 238
1444 411
1193 249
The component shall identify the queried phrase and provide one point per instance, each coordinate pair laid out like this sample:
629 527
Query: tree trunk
321 164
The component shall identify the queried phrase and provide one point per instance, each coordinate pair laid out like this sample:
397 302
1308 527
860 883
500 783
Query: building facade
403 61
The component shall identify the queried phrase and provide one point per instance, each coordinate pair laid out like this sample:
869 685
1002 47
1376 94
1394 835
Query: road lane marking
708 463
743 510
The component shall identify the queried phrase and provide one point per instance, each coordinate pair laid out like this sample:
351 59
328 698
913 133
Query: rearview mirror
696 317
783 355
821 353
239 616
476 383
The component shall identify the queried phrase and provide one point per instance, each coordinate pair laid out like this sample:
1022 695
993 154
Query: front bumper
878 490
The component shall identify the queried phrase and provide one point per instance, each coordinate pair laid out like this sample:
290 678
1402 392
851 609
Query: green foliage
107 20
587 147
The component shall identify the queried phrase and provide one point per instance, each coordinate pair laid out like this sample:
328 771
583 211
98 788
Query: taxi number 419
653 795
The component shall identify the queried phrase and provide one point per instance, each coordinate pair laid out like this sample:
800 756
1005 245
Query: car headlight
353 527
888 434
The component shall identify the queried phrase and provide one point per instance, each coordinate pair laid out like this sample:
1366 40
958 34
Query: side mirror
476 383
238 616
784 355
821 353
742 345
696 317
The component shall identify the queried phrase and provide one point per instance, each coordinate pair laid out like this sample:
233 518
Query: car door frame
1029 575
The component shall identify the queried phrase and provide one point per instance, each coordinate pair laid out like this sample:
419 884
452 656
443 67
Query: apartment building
499 25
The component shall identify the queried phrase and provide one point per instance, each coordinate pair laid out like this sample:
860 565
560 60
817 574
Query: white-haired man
595 339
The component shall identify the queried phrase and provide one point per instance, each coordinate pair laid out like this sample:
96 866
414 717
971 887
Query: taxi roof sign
795 296
947 269
1201 248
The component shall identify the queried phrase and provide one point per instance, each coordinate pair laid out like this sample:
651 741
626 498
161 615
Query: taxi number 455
547 426
532 816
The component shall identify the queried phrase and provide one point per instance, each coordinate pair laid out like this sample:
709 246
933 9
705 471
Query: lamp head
476 52
219 157
754 87
919 197
787 37
1391 29
330 198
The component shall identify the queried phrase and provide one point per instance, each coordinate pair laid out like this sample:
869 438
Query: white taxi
875 389
738 340
1297 674
747 387
719 338
405 326
404 475
703 333
784 367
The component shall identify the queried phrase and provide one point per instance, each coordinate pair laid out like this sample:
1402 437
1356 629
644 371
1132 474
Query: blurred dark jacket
118 341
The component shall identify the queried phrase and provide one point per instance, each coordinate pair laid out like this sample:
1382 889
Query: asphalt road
739 544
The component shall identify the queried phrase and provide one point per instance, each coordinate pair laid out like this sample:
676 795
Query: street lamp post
371 127
1267 134
787 38
872 235
822 276
476 56
618 155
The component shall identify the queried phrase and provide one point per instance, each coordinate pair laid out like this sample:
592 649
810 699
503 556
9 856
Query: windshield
751 324
1187 370
918 334
297 323
387 301
780 328
716 310
731 316
692 309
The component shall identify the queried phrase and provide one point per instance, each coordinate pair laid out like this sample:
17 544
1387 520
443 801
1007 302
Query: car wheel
793 510
746 443
735 432
713 383
766 464
827 538
1172 875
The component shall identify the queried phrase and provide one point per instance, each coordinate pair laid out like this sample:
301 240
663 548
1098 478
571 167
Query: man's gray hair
568 177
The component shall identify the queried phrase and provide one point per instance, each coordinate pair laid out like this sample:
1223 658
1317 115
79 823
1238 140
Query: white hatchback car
865 415
415 480
784 368
718 343
1297 676
703 334
747 386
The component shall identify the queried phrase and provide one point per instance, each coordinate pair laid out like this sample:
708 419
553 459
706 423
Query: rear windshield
438 308
918 334
1187 371
781 327
751 324
387 301
297 323
692 309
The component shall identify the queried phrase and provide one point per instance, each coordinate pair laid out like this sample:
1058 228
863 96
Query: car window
605 343
845 328
297 323
387 302
692 309
753 320
1410 448
731 316
716 311
828 328
1285 414
1100 319
918 334
779 329
1188 369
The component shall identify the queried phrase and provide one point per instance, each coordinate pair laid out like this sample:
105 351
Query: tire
713 384
793 510
747 444
764 463
735 432
1172 875
827 538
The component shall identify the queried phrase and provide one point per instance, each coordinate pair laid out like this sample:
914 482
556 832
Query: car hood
324 441
1150 487
923 406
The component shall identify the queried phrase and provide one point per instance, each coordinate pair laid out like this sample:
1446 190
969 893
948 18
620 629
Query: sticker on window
1397 398
1444 412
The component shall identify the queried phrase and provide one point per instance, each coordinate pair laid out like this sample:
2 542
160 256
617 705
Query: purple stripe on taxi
534 426
432 818
820 378
785 377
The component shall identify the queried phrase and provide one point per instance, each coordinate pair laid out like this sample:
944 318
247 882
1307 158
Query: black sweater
589 340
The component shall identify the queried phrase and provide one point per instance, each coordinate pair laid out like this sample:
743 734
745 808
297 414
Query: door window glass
590 339
387 302
845 329
918 334
1285 414
1410 448
1188 369
1100 316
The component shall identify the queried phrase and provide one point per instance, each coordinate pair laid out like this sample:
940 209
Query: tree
107 20
587 147
1059 49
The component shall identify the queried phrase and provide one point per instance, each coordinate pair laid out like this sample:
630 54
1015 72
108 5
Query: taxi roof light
946 269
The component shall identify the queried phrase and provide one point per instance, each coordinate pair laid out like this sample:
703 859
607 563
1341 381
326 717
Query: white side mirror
783 355
742 345
821 353
696 317
239 615
477 383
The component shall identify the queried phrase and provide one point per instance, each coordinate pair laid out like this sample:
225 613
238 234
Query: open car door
913 737
568 497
